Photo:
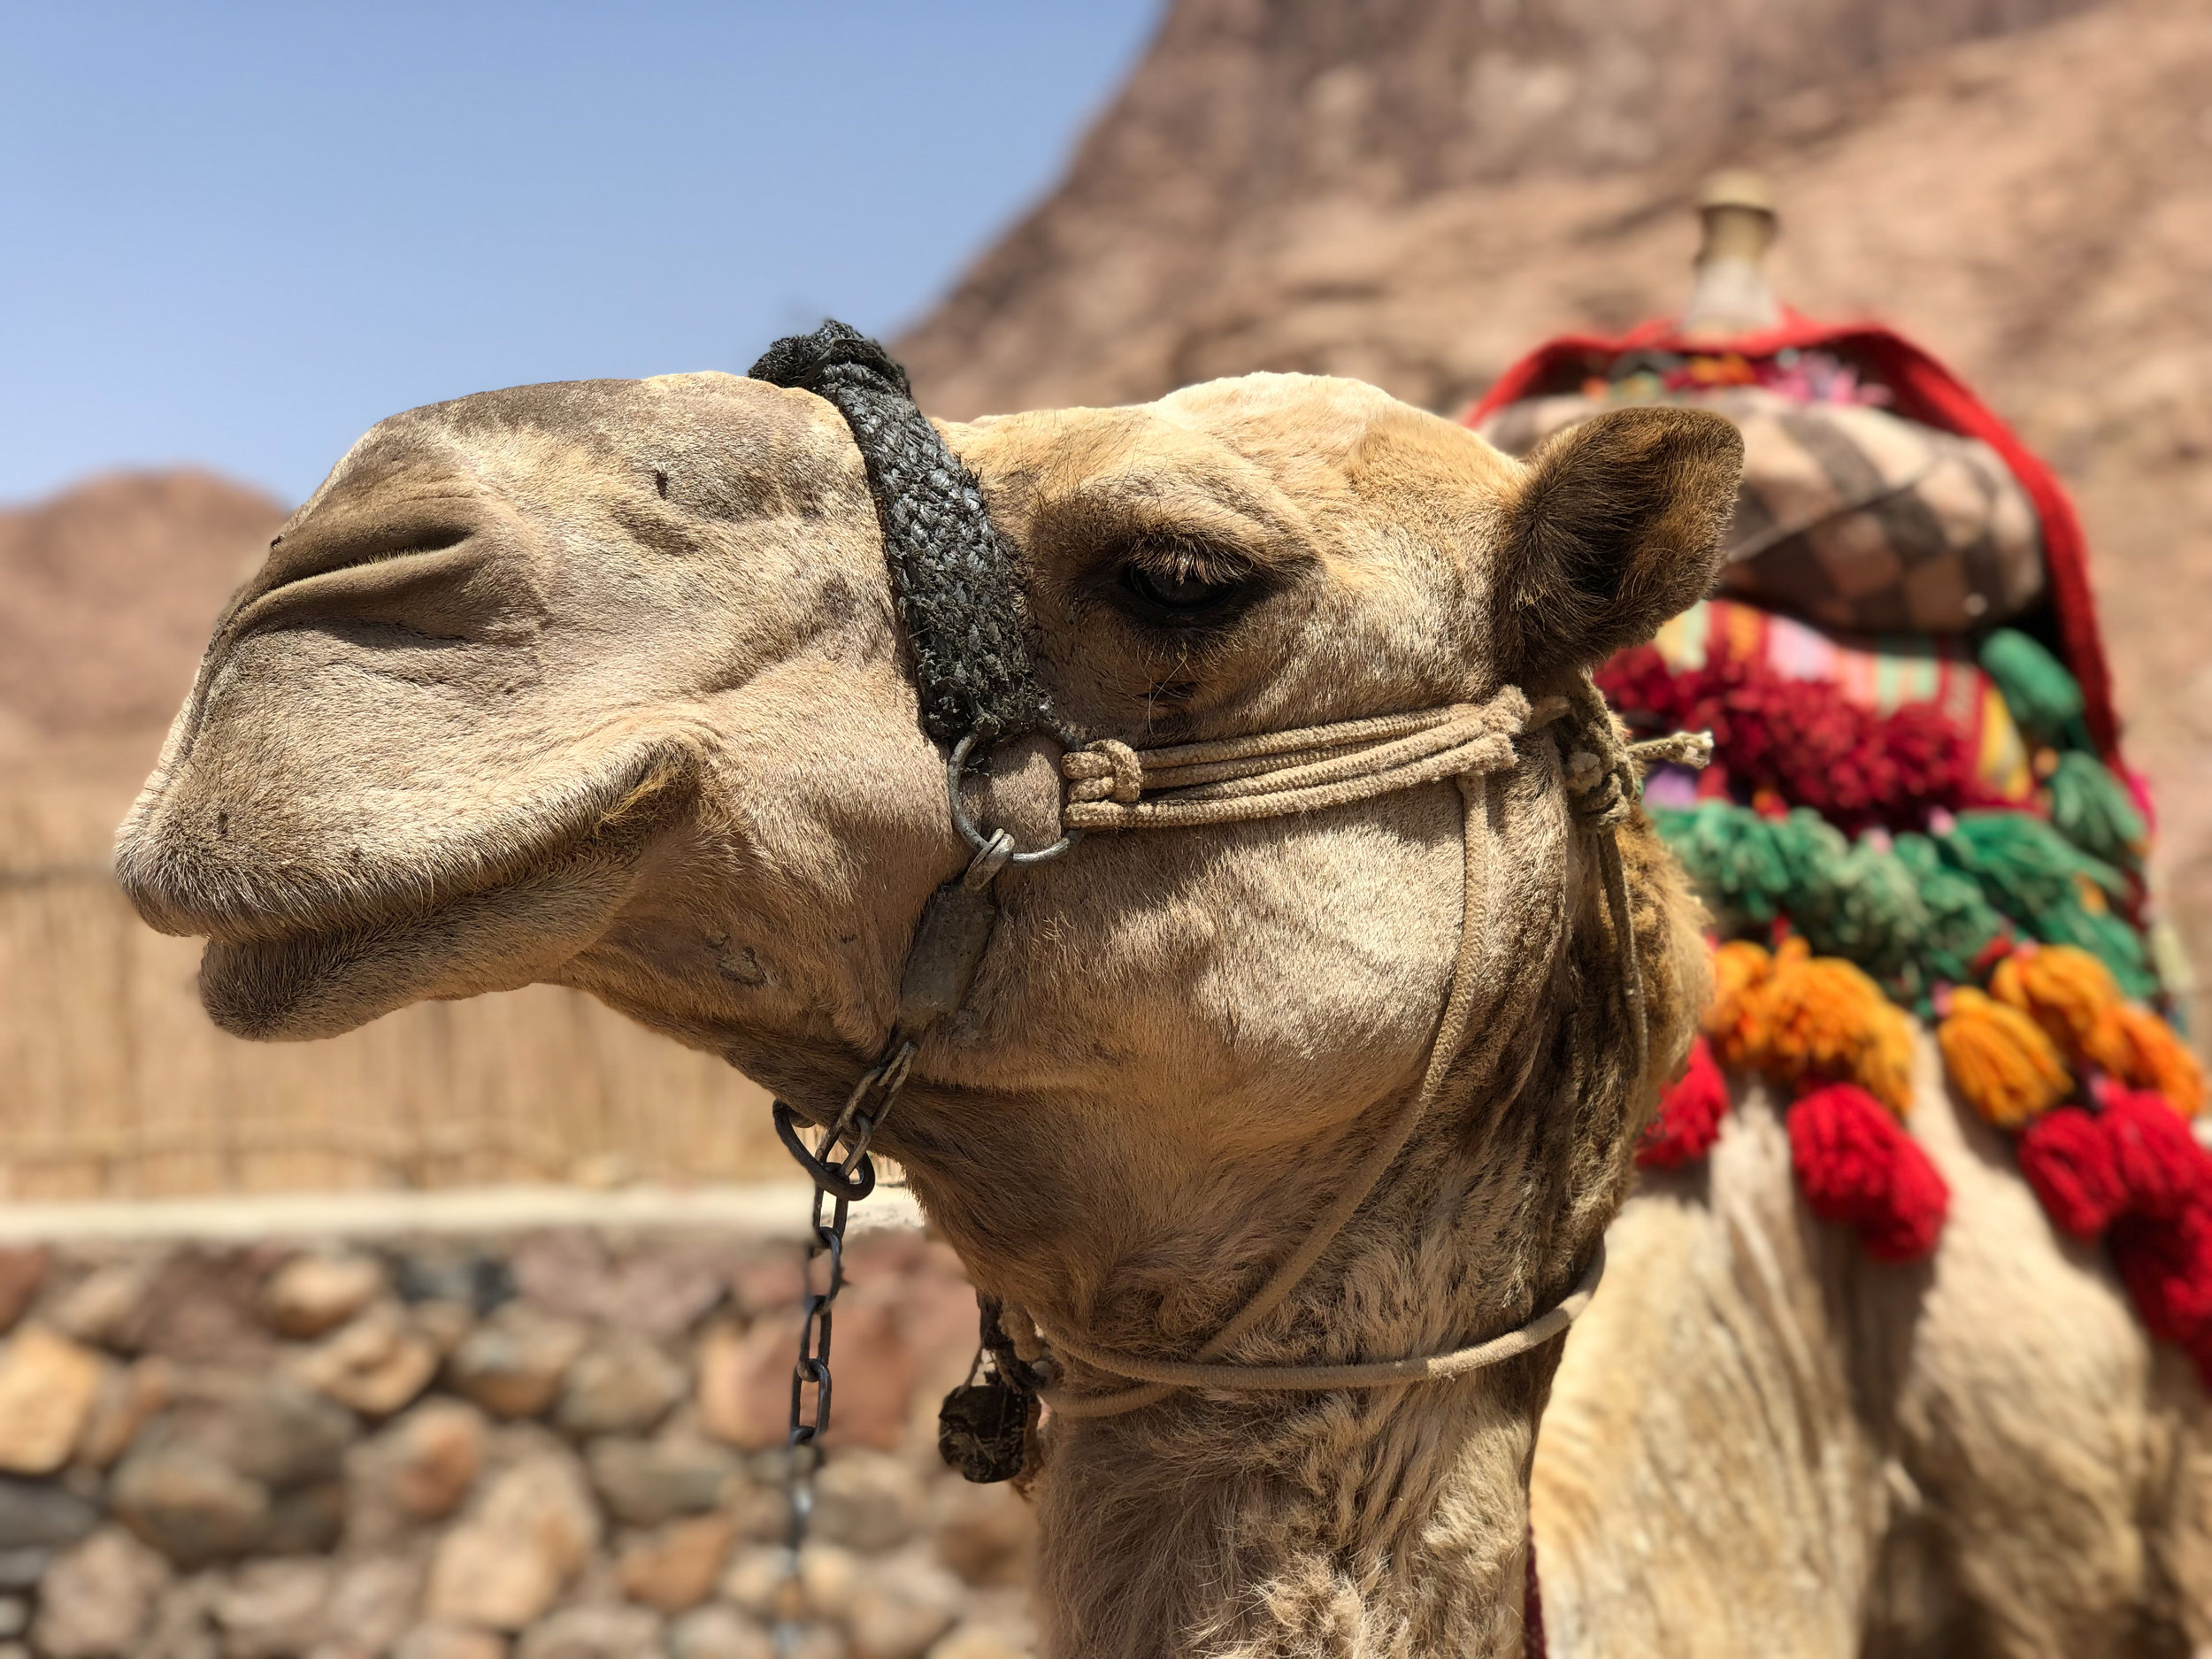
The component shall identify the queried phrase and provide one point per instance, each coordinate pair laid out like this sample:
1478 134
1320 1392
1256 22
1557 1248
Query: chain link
839 1178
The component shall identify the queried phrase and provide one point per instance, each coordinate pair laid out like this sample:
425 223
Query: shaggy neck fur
1370 1522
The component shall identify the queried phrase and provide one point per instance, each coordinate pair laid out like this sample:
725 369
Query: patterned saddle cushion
1849 516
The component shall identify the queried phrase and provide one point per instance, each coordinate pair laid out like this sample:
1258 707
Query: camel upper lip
180 884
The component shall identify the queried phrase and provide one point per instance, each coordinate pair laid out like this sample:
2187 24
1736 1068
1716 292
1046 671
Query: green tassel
2044 700
2092 809
2032 874
1962 924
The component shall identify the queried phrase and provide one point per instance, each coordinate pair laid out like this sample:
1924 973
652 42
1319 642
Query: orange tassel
2000 1060
1827 1022
2141 1051
1736 1018
2063 988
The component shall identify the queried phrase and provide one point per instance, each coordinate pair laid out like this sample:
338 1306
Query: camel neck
1391 1523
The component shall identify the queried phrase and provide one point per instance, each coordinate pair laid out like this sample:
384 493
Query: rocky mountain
1417 191
110 588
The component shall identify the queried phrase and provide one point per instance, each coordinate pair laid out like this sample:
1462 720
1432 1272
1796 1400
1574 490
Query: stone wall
565 1445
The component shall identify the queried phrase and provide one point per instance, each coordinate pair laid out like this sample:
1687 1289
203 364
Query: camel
604 684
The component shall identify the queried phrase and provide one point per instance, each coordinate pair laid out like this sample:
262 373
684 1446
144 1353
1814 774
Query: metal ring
976 838
827 1176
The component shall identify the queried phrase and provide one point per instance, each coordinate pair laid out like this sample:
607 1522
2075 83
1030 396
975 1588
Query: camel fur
600 684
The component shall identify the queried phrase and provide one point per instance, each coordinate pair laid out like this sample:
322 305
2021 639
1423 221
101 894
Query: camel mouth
310 982
314 937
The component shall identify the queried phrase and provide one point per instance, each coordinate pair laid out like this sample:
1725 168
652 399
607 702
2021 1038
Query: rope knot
1106 769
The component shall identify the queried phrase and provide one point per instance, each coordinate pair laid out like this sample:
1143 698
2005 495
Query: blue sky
238 235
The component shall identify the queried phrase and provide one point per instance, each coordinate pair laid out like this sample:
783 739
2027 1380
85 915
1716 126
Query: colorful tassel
2044 700
1824 1021
2142 1051
1999 1061
2070 1162
2065 989
1859 1169
1690 1112
2093 809
2161 1167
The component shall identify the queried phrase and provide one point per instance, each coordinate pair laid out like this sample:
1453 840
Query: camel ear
1616 527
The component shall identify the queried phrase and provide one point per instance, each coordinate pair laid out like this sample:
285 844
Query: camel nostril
222 825
660 483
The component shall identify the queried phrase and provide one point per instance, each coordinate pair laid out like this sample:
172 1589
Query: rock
284 1436
657 1295
477 1278
674 1567
503 1564
647 1482
184 1620
867 1501
662 1296
987 1642
99 1599
22 1569
514 1363
22 1271
745 1380
101 1308
374 1601
436 1451
376 1364
47 1385
827 1576
623 1387
988 1534
718 1632
274 1610
593 1633
129 1397
443 1325
759 1581
308 1521
899 1606
188 1504
310 1295
199 1307
35 1516
436 1640
769 1286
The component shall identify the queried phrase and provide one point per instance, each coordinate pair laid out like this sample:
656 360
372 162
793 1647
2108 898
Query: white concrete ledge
765 1210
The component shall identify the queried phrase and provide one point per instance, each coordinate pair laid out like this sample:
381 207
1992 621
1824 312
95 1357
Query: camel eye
1183 584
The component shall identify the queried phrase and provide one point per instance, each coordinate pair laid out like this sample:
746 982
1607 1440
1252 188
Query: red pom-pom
2167 1267
1858 1168
2161 1167
1689 1114
1919 1200
2070 1162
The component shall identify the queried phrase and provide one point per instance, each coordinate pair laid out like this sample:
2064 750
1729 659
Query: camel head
602 684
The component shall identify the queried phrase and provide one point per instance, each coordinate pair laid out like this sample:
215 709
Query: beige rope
1168 1374
1306 769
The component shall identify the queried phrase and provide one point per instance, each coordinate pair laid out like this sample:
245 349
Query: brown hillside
1418 197
110 587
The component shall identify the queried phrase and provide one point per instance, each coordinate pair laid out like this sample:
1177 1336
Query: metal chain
839 1178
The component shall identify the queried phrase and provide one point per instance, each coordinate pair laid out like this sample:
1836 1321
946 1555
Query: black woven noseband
952 574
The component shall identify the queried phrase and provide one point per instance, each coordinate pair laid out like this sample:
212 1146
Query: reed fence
114 1082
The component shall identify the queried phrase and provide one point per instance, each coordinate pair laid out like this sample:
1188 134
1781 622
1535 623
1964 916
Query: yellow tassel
2000 1060
2063 988
2142 1051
